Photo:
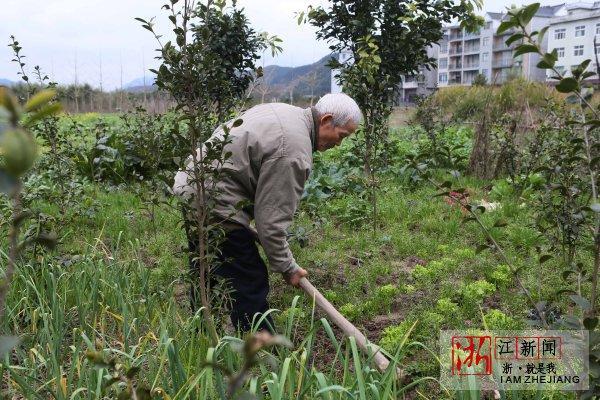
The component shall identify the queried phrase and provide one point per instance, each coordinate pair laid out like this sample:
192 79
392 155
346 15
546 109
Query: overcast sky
94 36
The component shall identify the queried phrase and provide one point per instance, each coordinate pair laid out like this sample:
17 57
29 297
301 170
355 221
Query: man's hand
294 278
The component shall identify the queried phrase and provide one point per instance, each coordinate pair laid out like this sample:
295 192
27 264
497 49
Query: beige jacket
270 162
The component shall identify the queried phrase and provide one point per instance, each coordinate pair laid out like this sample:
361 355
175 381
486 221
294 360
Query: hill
137 85
300 81
278 82
6 82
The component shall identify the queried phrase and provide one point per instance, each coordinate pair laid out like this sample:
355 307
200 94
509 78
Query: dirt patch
373 329
400 269
494 301
147 259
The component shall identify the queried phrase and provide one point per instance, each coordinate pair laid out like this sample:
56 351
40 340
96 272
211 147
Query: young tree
207 71
386 39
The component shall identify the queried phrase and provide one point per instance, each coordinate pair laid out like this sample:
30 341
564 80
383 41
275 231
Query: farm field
117 281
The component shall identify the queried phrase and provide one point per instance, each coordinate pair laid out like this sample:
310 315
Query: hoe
381 362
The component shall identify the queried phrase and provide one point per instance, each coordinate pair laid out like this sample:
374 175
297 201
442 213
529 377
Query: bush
501 275
393 336
496 319
475 292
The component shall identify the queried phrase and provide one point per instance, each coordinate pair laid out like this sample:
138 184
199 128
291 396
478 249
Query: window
597 29
488 25
578 50
580 31
443 63
484 57
560 51
560 69
444 48
560 33
486 41
443 77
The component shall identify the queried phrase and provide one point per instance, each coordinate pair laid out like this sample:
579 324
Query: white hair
343 108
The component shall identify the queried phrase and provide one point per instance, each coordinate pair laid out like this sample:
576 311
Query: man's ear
326 119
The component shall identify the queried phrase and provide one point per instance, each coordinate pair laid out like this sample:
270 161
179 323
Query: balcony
454 67
456 36
507 63
471 49
454 82
470 36
501 46
455 50
471 65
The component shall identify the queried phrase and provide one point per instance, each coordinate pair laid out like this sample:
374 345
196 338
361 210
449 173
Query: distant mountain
301 81
6 82
279 81
137 85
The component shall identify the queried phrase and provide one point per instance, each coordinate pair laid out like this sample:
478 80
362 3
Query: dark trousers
244 273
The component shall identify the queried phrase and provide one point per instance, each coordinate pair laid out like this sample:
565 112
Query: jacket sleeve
279 189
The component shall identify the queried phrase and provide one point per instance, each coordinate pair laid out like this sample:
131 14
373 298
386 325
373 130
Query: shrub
496 319
447 306
501 275
351 311
393 336
475 292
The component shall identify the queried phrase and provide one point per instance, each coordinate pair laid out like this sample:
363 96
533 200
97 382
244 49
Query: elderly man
271 159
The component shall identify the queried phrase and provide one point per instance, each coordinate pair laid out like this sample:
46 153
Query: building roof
582 5
495 15
549 11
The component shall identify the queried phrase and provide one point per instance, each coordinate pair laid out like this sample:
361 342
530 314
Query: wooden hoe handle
346 326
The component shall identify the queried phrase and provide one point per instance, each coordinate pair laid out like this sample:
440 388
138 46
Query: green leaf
39 100
505 25
525 48
542 33
581 302
587 74
7 343
567 85
237 122
584 64
547 62
526 14
514 38
45 111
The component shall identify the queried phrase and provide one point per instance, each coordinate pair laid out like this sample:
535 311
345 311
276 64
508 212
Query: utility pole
121 91
144 68
76 88
101 88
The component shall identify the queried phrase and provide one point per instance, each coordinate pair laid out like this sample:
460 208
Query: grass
117 284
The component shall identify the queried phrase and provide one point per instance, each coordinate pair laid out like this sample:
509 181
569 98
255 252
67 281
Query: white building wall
591 21
342 57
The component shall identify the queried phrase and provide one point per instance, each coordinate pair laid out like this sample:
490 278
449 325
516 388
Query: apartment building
463 55
572 34
421 83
